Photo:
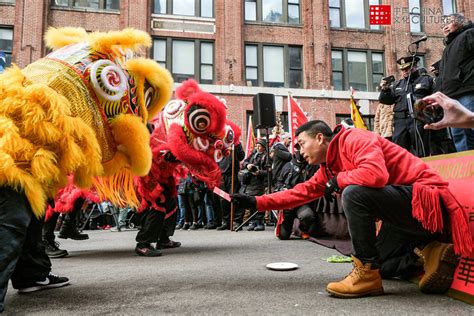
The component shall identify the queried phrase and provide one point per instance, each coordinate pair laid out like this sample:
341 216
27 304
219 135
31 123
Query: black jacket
226 163
258 182
420 86
293 173
281 155
456 70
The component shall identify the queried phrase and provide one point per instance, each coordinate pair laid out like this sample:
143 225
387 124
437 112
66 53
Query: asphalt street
213 273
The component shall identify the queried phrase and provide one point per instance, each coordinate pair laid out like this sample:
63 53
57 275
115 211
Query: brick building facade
313 49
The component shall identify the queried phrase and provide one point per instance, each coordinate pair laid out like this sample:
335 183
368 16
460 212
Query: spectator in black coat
226 183
456 71
280 156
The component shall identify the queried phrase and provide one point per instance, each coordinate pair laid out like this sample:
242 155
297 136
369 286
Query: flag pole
232 206
290 126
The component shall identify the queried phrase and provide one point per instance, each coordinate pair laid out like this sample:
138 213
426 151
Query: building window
200 8
294 11
159 6
357 70
377 70
273 11
184 7
273 66
354 14
337 74
361 70
415 16
6 46
449 7
368 120
295 72
8 1
250 10
351 14
107 5
251 65
186 58
207 62
421 62
335 13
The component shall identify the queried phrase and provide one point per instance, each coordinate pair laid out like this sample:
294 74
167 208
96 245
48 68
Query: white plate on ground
282 266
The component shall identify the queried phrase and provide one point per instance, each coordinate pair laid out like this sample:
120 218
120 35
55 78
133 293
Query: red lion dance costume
192 132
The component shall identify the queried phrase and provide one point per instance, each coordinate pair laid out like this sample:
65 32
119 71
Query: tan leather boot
439 263
362 281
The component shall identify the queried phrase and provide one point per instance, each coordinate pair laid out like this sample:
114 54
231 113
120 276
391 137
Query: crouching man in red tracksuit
377 179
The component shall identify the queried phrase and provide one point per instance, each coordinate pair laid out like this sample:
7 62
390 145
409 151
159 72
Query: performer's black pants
22 253
151 226
392 204
49 226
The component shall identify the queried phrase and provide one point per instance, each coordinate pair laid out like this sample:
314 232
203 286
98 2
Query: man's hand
244 201
331 188
384 85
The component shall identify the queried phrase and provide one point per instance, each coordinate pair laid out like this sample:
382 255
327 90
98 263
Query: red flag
250 144
296 118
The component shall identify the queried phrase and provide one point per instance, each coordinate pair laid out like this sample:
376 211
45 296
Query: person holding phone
407 133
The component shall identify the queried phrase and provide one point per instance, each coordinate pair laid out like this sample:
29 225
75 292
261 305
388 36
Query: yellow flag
356 116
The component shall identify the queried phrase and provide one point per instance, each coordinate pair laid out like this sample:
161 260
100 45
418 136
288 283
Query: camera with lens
427 113
253 169
388 80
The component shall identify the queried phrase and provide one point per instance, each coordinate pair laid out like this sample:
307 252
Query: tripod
269 184
409 96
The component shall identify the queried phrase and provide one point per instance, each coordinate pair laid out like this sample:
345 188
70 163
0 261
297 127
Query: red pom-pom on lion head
198 133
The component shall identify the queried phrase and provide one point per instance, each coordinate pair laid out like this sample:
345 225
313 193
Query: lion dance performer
192 132
79 111
69 201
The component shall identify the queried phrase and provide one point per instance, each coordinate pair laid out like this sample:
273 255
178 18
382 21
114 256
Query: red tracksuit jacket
361 157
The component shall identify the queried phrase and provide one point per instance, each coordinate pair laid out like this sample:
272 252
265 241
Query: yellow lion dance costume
81 110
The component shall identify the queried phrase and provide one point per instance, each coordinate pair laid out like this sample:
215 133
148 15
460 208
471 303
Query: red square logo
380 15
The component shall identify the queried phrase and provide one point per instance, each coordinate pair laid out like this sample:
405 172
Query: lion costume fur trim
40 143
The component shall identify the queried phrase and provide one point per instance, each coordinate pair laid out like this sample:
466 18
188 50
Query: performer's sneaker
439 263
52 249
169 244
147 251
50 282
72 233
362 281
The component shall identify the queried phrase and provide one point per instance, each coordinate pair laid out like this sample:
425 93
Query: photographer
254 181
407 133
295 171
280 156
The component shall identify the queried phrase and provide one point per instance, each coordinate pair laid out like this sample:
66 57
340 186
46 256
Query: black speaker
264 110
